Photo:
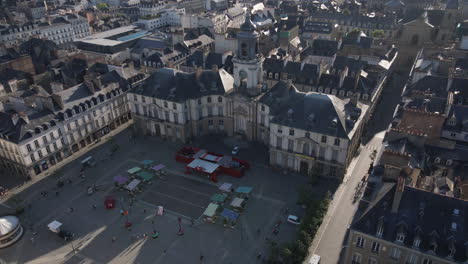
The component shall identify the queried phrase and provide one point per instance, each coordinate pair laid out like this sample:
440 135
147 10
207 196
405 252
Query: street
331 237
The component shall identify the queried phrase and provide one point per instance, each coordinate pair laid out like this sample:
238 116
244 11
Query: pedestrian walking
56 193
71 210
192 222
94 206
32 239
144 210
259 255
113 239
145 235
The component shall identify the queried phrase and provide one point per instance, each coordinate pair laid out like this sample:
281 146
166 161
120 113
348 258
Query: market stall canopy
218 198
226 187
134 170
147 162
211 210
199 153
244 189
205 166
54 225
145 175
120 179
133 184
210 157
229 214
158 167
237 202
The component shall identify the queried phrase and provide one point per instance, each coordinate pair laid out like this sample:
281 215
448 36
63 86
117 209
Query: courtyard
183 197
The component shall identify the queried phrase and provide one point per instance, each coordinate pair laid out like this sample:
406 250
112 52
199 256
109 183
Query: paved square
180 194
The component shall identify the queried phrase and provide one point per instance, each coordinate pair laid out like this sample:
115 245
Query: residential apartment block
39 128
408 225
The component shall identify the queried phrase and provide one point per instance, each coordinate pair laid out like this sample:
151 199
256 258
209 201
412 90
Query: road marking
177 199
183 188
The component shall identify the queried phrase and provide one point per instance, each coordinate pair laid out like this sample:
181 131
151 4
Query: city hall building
303 130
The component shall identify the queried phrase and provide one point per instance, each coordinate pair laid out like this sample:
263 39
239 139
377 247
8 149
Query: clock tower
248 72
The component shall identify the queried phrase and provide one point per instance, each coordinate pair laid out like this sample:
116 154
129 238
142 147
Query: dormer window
380 230
452 122
454 226
400 237
437 160
456 212
449 162
433 246
417 242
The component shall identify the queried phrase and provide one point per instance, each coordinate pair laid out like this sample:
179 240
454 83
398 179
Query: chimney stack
398 194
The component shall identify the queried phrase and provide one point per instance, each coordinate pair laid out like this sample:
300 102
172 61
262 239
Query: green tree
354 32
305 237
103 6
378 33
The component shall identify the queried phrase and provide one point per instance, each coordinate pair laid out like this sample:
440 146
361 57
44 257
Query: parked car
235 151
293 219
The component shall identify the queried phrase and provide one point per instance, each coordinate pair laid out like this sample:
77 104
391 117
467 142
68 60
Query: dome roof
8 224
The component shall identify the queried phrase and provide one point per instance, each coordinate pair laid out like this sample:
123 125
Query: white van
315 259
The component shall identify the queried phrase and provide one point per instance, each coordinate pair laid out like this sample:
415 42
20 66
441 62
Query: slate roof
214 58
432 105
74 95
460 115
23 130
354 66
172 85
420 214
452 4
300 72
195 59
429 85
318 27
362 21
320 113
462 63
148 43
361 41
323 47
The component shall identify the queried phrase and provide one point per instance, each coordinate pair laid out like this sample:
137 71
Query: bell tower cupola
248 72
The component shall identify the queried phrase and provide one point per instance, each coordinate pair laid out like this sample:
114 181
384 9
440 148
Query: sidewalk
64 162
